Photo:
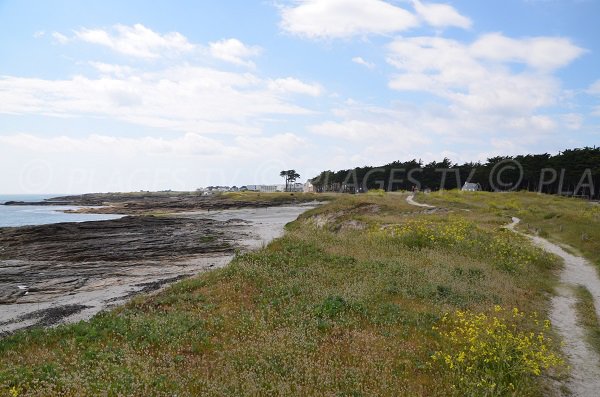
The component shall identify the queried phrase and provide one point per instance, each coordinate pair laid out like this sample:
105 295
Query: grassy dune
363 296
570 221
276 196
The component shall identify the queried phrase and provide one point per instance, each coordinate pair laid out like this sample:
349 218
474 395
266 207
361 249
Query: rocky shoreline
158 202
65 272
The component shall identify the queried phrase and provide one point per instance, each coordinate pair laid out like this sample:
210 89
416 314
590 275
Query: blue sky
119 96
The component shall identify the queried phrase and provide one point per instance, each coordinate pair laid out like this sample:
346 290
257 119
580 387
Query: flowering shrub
452 232
490 354
592 213
507 250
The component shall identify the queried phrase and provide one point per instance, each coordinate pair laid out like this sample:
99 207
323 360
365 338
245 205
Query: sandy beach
60 273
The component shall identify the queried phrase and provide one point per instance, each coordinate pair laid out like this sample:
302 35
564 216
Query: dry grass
586 314
571 221
329 310
276 197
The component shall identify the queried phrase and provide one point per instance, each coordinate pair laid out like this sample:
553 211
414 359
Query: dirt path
410 199
584 361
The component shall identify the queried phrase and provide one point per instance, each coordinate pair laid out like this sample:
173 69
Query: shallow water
61 291
27 215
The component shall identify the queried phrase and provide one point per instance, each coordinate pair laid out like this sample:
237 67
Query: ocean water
25 215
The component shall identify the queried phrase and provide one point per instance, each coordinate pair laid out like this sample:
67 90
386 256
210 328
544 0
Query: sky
101 96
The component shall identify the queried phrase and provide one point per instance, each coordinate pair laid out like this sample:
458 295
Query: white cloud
476 80
366 138
39 34
366 134
546 53
479 102
183 98
572 121
430 123
504 92
362 61
137 41
535 122
78 164
59 38
107 68
317 19
188 144
594 88
441 15
362 130
345 18
234 51
292 85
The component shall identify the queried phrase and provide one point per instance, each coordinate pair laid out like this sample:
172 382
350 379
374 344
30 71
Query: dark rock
124 239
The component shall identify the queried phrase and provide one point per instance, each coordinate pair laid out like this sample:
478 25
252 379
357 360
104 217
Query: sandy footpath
584 380
583 359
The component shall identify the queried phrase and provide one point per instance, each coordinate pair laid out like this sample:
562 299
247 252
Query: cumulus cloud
359 130
546 53
107 68
345 18
375 135
216 122
572 121
183 98
478 99
363 62
476 79
234 51
187 144
293 85
137 41
329 19
441 15
58 37
594 88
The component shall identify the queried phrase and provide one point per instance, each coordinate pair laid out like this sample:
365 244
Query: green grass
345 304
275 197
563 220
586 314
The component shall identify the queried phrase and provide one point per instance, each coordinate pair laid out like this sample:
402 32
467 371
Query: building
295 187
266 188
308 187
471 187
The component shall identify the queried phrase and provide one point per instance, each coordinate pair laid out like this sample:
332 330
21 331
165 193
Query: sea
29 215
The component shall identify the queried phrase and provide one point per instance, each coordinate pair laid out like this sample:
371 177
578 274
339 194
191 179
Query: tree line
573 172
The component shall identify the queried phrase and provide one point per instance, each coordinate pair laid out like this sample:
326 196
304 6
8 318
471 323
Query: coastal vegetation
571 172
365 295
569 221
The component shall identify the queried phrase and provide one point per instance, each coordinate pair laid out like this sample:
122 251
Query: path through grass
357 299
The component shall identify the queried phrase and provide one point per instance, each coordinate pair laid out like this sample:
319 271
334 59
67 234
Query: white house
471 187
266 188
308 187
